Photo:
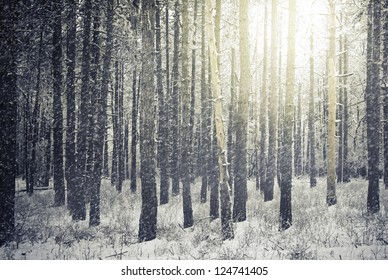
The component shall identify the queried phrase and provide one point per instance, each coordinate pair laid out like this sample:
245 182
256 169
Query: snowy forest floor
343 231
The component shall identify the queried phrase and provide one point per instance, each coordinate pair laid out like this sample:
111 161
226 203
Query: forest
194 129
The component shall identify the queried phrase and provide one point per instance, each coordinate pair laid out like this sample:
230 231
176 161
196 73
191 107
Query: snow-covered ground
343 231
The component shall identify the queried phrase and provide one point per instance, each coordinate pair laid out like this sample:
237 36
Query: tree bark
311 121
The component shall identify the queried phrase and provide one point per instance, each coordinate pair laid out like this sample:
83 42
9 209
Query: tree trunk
263 110
372 96
231 130
204 112
59 184
385 91
272 117
240 181
115 126
8 117
186 141
311 121
100 127
175 104
148 216
226 221
286 165
71 167
163 136
331 197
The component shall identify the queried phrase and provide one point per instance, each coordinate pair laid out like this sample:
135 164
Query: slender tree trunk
8 117
59 184
231 133
331 197
120 140
272 117
115 125
71 167
226 221
298 135
204 128
186 141
162 137
346 175
286 165
175 104
311 121
134 133
385 91
340 118
240 181
263 110
372 96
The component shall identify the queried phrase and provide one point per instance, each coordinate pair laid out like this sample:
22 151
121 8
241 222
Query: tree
372 96
71 164
385 91
240 170
185 134
163 135
226 221
100 127
59 184
263 111
231 134
311 118
148 216
286 161
8 118
205 134
272 117
331 197
175 105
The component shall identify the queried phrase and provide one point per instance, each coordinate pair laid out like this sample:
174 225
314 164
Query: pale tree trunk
273 114
240 180
263 111
226 221
286 161
331 197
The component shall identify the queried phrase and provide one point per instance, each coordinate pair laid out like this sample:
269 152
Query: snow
342 231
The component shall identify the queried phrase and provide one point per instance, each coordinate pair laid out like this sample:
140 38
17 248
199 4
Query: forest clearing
345 231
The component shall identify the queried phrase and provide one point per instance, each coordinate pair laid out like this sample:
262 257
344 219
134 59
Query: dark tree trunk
163 135
372 96
115 125
105 166
100 127
311 121
231 129
385 91
8 117
134 133
147 223
79 211
59 184
286 162
186 134
71 167
175 104
120 128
